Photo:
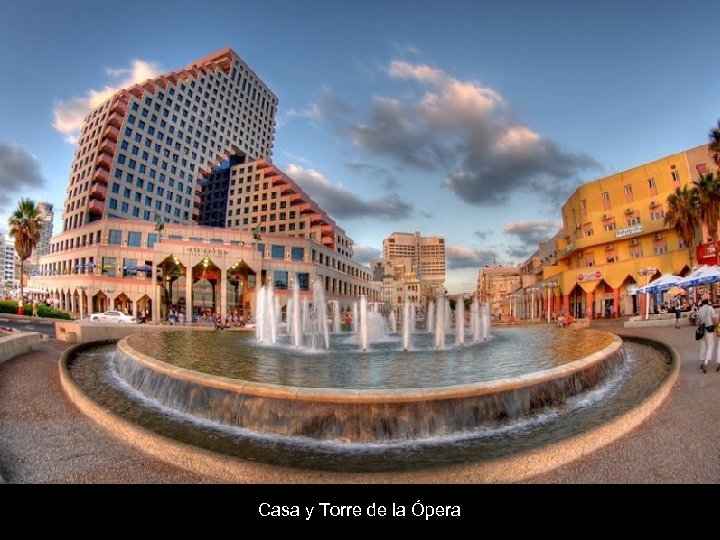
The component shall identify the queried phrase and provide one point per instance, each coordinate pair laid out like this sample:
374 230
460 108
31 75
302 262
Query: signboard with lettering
706 254
589 276
629 231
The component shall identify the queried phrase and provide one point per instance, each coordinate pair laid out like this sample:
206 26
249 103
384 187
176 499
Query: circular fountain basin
381 396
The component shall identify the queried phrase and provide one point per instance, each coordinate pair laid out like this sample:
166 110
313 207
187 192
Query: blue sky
471 120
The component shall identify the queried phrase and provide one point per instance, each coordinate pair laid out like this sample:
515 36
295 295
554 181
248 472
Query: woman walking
708 319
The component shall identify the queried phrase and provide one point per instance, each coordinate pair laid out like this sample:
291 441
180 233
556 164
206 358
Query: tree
707 188
714 137
682 214
25 225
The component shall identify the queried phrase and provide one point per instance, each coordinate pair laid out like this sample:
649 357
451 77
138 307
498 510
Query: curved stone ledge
515 468
362 415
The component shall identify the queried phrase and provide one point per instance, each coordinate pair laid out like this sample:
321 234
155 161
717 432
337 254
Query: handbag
700 332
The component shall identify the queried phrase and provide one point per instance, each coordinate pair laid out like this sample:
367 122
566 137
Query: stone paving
45 439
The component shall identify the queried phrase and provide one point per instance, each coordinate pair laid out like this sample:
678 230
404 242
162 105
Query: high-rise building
47 214
162 158
143 152
264 199
425 254
8 261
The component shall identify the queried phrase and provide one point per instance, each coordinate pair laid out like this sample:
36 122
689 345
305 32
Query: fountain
392 321
307 389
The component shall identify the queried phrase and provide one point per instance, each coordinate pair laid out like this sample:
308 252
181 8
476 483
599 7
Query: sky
469 120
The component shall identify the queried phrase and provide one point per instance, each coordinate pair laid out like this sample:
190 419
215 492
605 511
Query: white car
112 317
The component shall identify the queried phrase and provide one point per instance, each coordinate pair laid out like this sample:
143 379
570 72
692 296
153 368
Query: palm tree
25 225
707 188
682 214
714 136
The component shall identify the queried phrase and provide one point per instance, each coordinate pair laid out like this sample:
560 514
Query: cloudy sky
470 120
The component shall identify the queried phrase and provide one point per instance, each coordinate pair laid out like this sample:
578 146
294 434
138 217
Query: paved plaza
45 439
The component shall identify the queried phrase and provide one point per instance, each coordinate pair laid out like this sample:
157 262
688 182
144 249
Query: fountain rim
370 395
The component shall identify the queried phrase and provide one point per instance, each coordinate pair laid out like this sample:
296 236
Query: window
651 186
280 279
134 239
297 254
609 227
277 252
114 237
303 280
588 232
675 176
151 239
657 214
108 266
633 221
628 193
583 207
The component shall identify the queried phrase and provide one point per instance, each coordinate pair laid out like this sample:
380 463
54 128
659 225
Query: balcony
100 175
115 119
98 191
104 161
96 207
108 146
119 107
111 132
197 200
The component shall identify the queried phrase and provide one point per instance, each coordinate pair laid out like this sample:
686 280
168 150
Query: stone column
188 295
155 295
222 302
566 304
589 305
616 302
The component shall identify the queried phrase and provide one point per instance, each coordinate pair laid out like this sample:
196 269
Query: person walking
678 311
707 317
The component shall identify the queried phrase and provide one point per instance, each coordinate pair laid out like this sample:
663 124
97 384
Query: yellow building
613 230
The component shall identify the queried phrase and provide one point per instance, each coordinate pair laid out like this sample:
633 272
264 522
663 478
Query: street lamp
648 271
549 285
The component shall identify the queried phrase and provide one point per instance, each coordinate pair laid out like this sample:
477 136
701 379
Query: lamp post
549 285
648 271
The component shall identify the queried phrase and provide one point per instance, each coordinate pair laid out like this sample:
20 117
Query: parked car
112 317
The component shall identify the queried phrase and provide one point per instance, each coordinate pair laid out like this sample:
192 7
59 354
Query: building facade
47 215
142 153
8 261
423 254
494 284
614 239
184 208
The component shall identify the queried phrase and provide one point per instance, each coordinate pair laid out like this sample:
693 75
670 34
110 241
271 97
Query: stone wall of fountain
361 415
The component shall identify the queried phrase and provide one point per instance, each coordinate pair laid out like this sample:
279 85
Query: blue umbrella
701 276
663 283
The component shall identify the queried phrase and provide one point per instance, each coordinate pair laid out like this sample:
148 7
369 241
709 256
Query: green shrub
11 306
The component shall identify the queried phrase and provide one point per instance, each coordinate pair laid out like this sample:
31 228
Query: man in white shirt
707 317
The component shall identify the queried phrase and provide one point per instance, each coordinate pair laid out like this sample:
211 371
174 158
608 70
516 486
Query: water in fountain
431 316
266 320
319 314
406 325
354 324
336 316
296 324
363 323
392 321
440 323
475 320
305 315
448 315
412 318
460 322
485 319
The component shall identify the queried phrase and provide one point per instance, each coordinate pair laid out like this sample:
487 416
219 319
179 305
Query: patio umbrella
701 276
661 284
677 291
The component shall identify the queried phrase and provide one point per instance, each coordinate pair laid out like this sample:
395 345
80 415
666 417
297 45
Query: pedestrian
678 310
707 318
34 307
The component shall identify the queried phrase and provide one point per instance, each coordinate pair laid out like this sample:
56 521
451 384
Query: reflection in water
511 352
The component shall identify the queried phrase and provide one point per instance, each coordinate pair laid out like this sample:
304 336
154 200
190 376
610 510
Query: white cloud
463 128
70 114
340 202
